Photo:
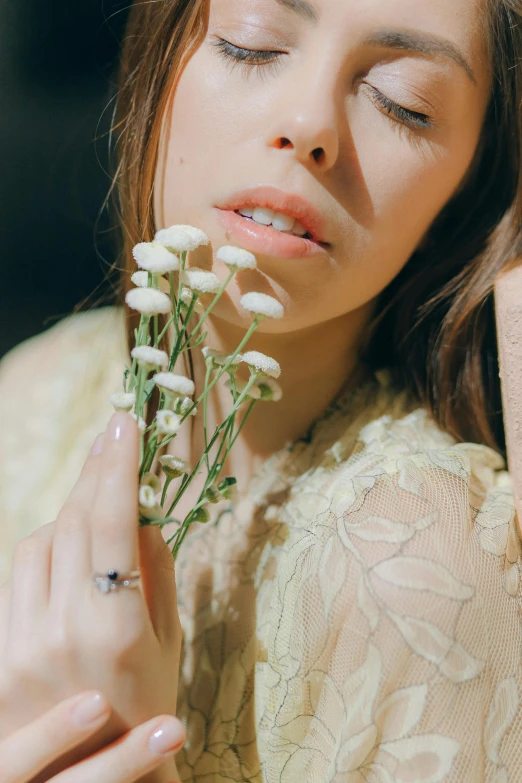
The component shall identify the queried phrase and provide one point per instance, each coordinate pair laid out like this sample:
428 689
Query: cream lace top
363 624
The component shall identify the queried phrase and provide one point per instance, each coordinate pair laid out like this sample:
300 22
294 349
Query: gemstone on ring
103 584
113 575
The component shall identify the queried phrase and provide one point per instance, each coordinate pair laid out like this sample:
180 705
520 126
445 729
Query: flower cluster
169 295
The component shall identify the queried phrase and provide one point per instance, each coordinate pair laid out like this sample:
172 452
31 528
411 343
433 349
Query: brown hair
435 324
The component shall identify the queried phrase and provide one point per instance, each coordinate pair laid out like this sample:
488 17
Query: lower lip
266 240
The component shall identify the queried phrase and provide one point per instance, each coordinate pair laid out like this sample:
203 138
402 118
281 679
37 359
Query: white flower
184 405
147 356
122 402
270 389
262 364
147 496
254 393
181 239
236 258
155 258
149 506
142 424
168 422
186 298
148 301
141 279
262 304
217 358
151 480
200 280
174 467
176 384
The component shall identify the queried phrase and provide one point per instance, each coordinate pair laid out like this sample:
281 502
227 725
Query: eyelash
267 60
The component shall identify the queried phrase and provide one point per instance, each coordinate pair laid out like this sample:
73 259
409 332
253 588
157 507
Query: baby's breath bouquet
165 287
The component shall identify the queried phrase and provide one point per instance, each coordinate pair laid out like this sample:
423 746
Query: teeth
263 216
299 229
277 220
283 222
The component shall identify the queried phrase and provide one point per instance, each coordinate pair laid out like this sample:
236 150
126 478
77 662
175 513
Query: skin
380 183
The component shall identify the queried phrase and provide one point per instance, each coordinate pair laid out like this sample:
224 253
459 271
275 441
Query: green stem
207 376
229 363
165 489
213 440
211 306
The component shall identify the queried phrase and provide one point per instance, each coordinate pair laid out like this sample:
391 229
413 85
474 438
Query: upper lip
290 204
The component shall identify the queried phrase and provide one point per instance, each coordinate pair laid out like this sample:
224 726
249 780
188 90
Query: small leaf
459 665
504 707
332 572
381 529
424 758
411 478
424 638
400 711
356 749
366 604
200 339
148 388
418 573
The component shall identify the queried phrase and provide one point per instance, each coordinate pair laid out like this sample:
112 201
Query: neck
316 363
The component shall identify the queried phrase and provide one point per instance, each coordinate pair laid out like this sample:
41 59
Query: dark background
57 69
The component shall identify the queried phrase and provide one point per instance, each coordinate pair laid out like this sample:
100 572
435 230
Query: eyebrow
422 43
410 41
302 8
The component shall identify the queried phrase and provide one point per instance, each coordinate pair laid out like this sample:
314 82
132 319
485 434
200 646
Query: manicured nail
117 424
97 446
166 739
90 710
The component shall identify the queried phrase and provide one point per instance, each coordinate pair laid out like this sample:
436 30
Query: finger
71 556
113 521
31 749
27 592
25 595
159 583
132 756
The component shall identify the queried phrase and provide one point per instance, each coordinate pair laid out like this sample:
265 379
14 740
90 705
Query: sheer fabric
356 618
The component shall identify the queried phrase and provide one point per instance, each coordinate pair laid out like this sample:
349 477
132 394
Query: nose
306 124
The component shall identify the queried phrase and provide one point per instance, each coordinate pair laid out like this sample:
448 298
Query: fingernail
97 446
117 424
90 709
167 738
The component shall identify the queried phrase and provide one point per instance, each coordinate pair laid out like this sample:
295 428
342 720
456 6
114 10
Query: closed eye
412 119
251 59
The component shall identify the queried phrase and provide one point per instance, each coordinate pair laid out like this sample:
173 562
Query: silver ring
105 583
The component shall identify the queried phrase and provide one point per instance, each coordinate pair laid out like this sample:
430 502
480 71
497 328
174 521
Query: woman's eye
250 58
412 119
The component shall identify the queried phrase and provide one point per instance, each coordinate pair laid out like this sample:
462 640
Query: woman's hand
25 753
60 635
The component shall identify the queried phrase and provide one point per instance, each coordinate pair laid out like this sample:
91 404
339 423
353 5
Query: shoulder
54 392
72 342
401 575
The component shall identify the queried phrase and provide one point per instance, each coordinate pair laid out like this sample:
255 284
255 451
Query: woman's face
321 119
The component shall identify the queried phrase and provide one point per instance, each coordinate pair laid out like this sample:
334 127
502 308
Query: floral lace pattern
356 619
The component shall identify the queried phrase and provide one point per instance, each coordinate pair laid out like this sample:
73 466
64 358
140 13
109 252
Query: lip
291 204
266 240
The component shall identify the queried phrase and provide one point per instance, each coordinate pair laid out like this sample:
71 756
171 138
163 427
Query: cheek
405 177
